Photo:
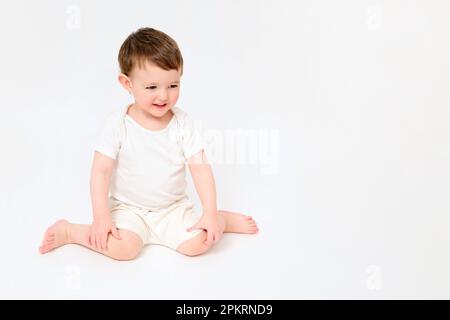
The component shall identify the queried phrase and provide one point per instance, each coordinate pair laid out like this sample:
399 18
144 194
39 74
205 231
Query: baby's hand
98 233
209 223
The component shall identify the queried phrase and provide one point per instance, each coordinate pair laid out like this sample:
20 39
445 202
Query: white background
356 93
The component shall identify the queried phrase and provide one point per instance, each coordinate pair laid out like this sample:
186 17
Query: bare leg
228 222
63 232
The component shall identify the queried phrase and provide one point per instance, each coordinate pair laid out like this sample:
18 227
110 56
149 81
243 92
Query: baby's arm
102 167
204 182
206 188
102 225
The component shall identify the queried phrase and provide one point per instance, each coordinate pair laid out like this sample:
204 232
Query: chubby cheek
174 97
145 98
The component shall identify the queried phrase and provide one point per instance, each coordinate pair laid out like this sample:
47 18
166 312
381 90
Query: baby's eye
151 87
173 86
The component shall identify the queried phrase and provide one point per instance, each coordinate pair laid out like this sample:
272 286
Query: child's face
155 90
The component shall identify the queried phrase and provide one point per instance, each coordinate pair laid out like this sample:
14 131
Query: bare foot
238 223
55 236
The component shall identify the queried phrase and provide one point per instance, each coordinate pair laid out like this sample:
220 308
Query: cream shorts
165 227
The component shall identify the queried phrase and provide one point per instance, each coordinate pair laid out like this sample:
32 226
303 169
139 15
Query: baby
138 181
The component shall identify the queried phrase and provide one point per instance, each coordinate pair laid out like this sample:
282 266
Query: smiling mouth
160 105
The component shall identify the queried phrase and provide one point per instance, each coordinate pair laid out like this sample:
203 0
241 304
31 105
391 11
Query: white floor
291 258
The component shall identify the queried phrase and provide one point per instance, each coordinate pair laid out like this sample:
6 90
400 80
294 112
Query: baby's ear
125 81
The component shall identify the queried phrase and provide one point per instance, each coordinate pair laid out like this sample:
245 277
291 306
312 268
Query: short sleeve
110 137
192 139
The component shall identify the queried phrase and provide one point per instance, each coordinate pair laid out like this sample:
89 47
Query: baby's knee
127 248
198 250
195 246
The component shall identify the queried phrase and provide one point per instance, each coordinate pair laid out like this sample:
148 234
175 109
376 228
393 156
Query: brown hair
149 45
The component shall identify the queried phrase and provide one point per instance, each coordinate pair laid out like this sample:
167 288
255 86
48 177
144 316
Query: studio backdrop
327 121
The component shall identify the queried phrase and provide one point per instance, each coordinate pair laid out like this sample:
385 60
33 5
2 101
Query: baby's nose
163 95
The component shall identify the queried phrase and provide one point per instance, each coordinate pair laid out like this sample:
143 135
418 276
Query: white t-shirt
150 167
